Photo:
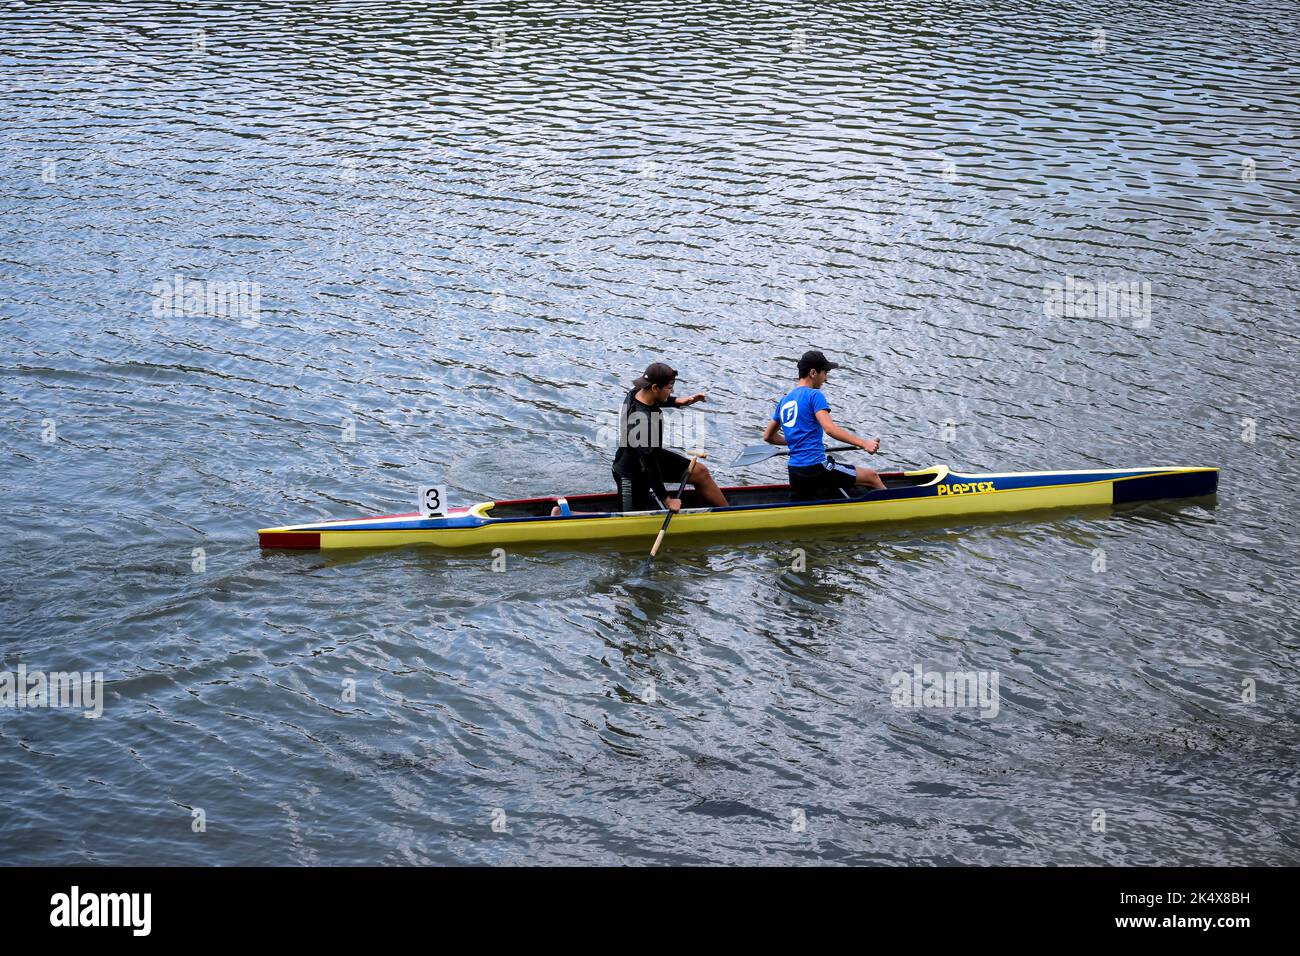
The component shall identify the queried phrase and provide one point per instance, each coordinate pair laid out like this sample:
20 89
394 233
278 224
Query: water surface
470 226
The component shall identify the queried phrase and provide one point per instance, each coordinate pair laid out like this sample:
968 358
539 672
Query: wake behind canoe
928 493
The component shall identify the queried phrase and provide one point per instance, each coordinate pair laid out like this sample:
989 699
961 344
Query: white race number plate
433 501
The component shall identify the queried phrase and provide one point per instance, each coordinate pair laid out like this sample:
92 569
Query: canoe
927 493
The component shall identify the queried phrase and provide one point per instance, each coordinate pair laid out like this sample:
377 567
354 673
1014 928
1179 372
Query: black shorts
636 494
819 482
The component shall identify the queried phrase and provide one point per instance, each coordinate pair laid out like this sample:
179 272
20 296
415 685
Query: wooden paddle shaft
663 529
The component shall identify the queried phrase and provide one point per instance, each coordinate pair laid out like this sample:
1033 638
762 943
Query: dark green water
469 227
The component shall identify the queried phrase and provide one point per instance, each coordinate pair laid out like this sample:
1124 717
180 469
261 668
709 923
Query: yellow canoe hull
939 494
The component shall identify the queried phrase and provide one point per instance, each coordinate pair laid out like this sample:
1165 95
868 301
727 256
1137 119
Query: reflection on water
434 244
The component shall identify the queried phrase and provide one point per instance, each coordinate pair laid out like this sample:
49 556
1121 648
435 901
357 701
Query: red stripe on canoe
289 539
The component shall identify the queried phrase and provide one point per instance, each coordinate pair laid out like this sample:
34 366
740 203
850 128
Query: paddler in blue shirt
643 466
800 420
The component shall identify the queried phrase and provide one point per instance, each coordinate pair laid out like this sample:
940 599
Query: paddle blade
753 454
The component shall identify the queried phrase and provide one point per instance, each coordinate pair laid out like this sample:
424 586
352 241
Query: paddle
753 454
669 517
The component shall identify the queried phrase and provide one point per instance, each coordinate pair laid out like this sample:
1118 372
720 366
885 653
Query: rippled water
469 227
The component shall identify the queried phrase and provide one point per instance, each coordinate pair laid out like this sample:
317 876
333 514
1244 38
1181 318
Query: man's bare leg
868 477
707 487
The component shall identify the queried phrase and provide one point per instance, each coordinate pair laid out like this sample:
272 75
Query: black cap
656 373
815 360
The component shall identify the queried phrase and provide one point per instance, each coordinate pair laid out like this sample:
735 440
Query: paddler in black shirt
643 466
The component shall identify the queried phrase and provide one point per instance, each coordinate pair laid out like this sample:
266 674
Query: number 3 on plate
433 501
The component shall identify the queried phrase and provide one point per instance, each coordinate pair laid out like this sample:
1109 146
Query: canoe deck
737 496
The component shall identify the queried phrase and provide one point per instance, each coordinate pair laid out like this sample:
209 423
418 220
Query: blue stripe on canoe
1011 482
468 521
447 524
1007 483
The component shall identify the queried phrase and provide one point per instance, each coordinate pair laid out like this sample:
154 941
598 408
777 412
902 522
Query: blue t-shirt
797 415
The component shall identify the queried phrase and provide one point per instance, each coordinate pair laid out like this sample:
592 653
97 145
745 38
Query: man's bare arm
841 434
772 434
